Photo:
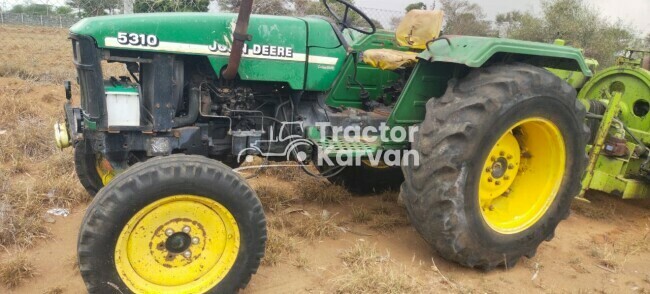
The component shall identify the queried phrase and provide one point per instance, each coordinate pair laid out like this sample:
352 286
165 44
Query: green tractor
491 144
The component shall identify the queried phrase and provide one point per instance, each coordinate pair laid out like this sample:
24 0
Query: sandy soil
596 250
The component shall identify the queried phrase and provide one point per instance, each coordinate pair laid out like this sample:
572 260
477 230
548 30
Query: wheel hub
178 242
184 242
499 167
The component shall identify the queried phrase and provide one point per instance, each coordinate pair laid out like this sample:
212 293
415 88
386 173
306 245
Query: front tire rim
179 244
104 170
522 175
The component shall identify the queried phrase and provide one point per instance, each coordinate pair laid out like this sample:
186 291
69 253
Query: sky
634 12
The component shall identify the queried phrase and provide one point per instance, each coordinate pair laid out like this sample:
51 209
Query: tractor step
333 147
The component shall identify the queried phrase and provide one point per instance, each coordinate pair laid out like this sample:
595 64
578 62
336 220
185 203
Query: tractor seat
414 31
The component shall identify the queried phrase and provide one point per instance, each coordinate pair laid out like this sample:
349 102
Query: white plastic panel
123 109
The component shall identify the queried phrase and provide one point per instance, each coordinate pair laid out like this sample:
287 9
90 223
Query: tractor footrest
333 148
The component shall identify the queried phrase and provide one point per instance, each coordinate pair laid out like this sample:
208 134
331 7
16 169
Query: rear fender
477 52
454 56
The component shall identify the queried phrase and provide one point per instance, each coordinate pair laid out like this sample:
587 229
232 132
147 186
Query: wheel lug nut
511 166
490 180
487 170
195 240
187 254
497 183
502 153
186 229
509 156
169 232
506 177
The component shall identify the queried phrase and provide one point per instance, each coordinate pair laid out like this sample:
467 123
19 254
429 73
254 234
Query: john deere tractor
500 140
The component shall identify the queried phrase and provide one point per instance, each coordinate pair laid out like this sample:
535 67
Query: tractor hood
278 50
202 29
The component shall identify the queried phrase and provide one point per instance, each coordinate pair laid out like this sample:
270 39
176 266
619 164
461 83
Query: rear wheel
177 224
502 155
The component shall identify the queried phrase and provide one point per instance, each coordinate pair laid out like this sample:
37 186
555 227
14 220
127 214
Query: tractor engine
172 104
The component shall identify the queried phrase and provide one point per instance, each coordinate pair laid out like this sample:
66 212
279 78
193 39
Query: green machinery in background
618 99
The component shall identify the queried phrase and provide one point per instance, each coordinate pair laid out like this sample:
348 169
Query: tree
418 5
576 22
316 7
38 9
140 6
395 21
95 7
270 7
63 10
464 18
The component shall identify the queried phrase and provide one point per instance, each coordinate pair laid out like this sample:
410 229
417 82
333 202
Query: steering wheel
345 21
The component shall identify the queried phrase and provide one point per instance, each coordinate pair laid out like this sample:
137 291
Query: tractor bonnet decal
259 51
256 49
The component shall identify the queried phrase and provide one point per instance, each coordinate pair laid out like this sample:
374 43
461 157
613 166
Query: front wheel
90 171
177 224
502 155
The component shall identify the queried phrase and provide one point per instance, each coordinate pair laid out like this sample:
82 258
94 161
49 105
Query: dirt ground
321 240
594 251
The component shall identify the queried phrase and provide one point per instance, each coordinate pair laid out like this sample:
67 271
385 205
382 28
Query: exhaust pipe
240 35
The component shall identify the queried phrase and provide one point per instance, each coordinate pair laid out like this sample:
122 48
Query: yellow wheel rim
180 244
104 170
522 175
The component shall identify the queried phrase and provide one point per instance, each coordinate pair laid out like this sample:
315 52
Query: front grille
89 75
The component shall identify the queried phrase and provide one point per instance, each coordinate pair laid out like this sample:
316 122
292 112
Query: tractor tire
176 224
502 155
365 180
85 162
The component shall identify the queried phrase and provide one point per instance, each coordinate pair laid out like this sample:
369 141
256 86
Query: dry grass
52 43
73 262
16 270
380 218
54 290
273 197
362 255
323 192
301 262
34 175
317 226
279 246
361 215
289 174
385 219
606 255
387 222
389 196
309 226
369 272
